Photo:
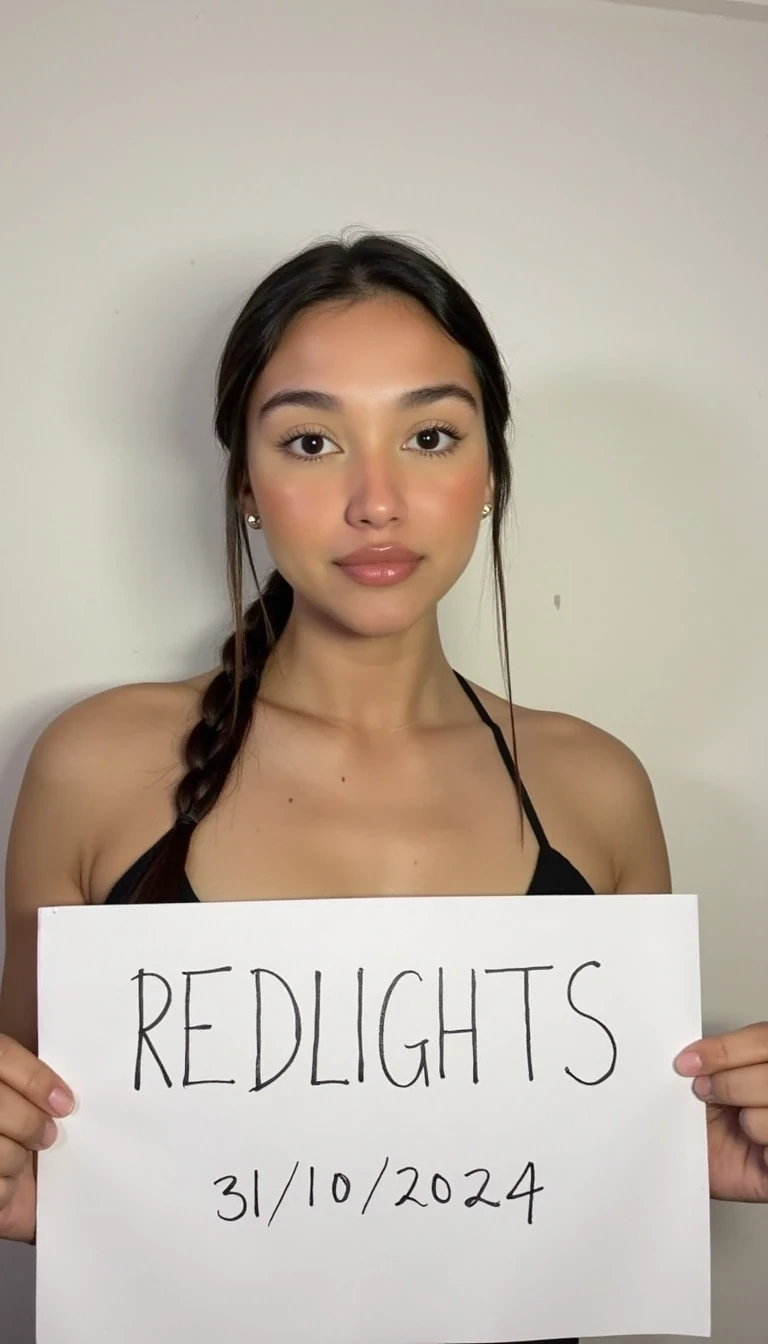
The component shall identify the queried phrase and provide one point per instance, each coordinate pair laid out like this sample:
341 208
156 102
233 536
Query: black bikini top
554 875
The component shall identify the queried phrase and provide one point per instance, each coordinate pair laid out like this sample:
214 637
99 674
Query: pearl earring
486 510
253 520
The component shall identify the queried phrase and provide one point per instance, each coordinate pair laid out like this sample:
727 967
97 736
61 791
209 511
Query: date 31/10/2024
413 1190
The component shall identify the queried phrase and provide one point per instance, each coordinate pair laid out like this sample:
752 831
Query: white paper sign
379 1121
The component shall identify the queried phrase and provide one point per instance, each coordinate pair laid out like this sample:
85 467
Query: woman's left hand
731 1076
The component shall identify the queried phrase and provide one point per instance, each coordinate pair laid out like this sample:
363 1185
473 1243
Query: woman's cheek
454 506
300 525
292 508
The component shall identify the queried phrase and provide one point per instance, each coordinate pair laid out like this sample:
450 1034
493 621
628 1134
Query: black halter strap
506 756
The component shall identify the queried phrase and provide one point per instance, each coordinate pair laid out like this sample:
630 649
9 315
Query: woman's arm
44 863
641 858
43 867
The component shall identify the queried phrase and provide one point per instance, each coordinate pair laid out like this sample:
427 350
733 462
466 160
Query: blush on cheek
456 503
292 510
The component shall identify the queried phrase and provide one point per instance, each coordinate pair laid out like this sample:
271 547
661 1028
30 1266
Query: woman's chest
315 817
370 828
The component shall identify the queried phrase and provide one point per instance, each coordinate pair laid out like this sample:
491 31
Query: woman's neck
373 684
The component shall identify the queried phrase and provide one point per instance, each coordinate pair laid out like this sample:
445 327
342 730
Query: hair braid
215 742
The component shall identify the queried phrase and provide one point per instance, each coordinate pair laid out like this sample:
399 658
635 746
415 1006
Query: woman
334 752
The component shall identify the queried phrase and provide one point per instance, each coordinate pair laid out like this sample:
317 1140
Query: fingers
30 1094
24 1073
732 1070
23 1123
731 1050
735 1087
754 1122
13 1159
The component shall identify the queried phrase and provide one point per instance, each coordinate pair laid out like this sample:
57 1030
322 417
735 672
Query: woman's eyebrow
324 401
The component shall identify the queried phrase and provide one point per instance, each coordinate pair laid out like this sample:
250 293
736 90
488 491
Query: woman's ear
245 500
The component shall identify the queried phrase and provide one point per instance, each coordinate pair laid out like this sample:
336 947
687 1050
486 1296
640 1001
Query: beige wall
596 174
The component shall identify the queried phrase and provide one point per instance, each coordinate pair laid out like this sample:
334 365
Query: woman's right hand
32 1097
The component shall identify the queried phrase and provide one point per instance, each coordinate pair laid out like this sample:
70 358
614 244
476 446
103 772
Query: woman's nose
376 497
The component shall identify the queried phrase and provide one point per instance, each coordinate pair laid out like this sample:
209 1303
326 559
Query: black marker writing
144 1030
593 1082
337 1187
189 1028
360 1052
314 1080
421 1046
261 1083
525 972
444 1031
163 1013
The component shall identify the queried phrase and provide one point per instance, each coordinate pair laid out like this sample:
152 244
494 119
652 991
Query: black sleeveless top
554 875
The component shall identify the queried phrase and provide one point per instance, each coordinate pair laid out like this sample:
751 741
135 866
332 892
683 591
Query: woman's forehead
387 344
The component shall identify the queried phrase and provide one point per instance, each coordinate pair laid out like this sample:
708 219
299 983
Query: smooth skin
364 746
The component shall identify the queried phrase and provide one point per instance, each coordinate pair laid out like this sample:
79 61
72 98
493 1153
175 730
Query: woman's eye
308 446
434 440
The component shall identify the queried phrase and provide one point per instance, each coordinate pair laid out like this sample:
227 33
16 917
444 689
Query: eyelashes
439 427
286 443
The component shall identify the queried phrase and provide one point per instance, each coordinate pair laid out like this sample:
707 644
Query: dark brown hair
328 270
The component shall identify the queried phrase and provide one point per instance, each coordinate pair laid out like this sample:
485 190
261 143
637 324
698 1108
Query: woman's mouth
379 566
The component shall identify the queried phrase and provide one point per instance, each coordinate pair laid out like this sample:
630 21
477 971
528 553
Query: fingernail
48 1135
688 1063
702 1087
61 1102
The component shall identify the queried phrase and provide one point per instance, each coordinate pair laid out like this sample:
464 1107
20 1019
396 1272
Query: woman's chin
375 615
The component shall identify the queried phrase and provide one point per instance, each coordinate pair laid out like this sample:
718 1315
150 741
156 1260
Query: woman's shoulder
98 745
560 753
592 793
86 768
556 730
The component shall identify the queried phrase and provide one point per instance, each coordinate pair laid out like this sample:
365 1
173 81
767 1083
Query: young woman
333 751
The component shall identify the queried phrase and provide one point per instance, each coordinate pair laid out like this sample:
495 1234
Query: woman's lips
379 566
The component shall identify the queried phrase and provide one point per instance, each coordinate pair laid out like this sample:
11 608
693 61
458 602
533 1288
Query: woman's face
369 473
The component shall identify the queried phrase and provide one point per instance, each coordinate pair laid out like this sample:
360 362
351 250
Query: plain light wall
596 174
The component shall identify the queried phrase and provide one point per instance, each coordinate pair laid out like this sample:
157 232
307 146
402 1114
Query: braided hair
327 270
